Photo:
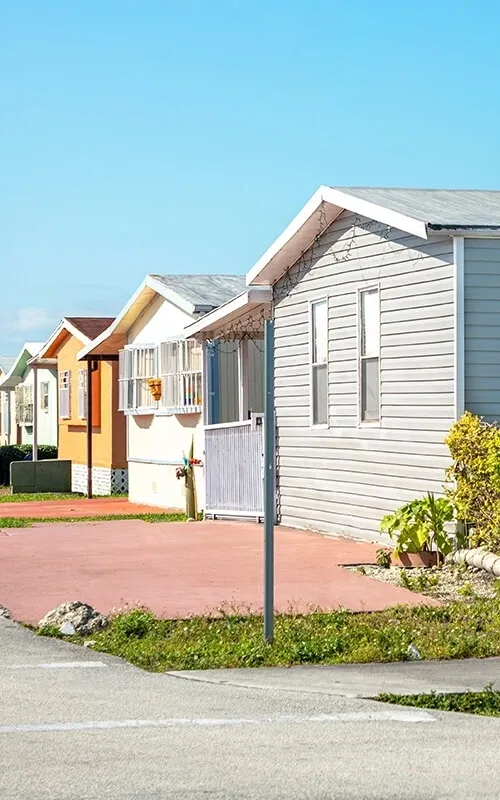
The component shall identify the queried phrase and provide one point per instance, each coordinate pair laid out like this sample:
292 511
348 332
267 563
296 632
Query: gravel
447 583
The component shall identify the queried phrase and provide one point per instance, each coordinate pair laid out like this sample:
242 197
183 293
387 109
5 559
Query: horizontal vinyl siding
345 478
482 327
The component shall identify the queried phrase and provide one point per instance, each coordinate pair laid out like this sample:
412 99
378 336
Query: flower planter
155 388
424 558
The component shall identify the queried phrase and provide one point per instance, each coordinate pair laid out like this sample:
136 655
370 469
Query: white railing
234 462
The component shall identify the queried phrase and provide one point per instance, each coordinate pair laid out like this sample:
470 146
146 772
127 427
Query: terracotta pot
422 559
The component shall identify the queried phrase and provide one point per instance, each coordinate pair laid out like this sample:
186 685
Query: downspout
459 326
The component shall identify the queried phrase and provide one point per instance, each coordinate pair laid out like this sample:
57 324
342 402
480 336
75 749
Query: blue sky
159 136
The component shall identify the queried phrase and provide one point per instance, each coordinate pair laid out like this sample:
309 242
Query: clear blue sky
157 136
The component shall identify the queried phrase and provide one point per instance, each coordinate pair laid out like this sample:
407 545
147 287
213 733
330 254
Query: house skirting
105 480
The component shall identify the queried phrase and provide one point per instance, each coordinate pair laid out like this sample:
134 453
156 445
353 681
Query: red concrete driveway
179 569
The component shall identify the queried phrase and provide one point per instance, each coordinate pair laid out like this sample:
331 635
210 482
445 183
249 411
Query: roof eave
313 219
251 298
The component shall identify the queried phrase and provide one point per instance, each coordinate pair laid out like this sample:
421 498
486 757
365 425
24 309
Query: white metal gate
234 463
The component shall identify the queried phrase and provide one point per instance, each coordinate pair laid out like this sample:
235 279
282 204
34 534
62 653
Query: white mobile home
385 306
148 336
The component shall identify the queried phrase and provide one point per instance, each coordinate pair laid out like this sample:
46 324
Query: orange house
107 435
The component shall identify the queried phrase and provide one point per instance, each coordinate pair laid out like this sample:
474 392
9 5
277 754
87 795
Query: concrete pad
183 569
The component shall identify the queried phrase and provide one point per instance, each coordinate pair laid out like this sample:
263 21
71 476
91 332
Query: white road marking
201 722
56 665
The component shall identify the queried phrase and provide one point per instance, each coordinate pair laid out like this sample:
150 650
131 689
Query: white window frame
64 375
182 386
133 385
375 353
44 395
312 364
82 393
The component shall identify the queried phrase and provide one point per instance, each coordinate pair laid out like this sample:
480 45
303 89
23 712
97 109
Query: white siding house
19 396
386 328
149 337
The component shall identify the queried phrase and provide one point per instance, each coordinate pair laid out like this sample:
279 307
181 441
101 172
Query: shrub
9 453
473 480
137 623
420 525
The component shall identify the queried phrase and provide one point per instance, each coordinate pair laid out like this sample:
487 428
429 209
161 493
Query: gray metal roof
461 208
204 291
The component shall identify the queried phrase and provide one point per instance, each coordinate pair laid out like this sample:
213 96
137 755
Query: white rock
67 629
89 643
413 653
82 617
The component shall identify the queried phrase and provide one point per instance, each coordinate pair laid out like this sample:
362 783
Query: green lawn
27 522
485 703
36 497
459 630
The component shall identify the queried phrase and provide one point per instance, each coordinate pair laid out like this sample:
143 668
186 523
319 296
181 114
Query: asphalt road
80 725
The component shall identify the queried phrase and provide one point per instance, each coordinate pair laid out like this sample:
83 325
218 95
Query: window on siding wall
369 355
65 394
44 395
319 363
24 405
82 393
136 366
181 376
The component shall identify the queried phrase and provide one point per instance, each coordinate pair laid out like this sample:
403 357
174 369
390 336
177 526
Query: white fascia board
91 345
290 231
337 201
63 325
254 295
12 378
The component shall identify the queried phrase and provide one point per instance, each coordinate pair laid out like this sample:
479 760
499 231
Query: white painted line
201 722
57 665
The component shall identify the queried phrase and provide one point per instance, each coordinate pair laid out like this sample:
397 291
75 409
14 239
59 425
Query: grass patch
37 497
27 522
459 630
485 703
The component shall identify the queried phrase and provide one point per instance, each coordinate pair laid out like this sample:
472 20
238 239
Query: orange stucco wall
108 430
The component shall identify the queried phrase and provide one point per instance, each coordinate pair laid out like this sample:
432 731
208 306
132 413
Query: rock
413 653
5 613
67 629
82 618
89 643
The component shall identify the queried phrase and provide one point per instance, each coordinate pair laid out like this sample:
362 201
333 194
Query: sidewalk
363 680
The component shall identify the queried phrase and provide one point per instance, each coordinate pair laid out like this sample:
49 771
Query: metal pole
34 454
269 480
89 428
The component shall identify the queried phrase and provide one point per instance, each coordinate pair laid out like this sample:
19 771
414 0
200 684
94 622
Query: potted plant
419 528
155 387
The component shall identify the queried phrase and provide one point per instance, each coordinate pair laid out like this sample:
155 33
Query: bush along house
100 432
386 328
162 381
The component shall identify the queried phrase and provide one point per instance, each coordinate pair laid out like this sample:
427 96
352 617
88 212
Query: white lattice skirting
105 480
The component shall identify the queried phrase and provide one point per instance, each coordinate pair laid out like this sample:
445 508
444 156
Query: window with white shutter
181 376
65 394
82 393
